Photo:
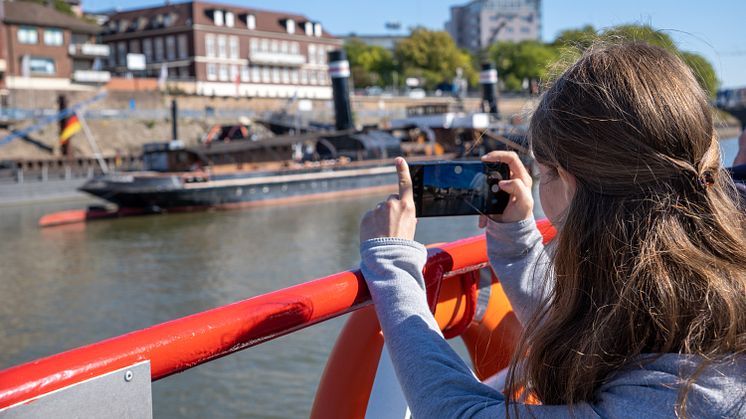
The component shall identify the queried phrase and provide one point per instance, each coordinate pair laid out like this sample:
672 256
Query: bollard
488 80
174 120
339 71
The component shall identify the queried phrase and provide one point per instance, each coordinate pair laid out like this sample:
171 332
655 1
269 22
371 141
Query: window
294 76
265 74
135 46
312 54
251 21
265 45
234 73
41 66
233 46
158 49
294 48
229 19
317 29
53 37
274 46
222 53
312 77
255 74
286 75
304 77
217 17
210 45
147 49
322 55
309 28
184 72
183 46
254 45
122 53
212 73
284 47
275 74
223 72
290 26
245 73
28 35
170 48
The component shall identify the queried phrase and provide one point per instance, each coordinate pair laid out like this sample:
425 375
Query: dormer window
317 29
229 19
309 28
217 17
290 26
251 22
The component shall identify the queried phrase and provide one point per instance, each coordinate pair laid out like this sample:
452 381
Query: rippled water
65 287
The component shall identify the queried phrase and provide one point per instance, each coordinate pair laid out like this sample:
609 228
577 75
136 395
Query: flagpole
92 142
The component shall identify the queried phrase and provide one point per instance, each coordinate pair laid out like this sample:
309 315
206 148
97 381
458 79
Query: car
416 94
373 91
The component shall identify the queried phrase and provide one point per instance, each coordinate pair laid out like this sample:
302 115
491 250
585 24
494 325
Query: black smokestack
339 71
174 120
488 80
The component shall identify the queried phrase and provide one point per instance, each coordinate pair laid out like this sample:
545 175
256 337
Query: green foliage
58 5
370 65
533 60
523 60
579 39
433 57
703 71
640 33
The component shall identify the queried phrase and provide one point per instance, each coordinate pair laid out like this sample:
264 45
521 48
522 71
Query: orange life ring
469 304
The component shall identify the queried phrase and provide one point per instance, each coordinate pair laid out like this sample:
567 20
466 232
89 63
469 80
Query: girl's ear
569 184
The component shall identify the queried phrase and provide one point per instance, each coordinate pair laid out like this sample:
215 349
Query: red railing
180 344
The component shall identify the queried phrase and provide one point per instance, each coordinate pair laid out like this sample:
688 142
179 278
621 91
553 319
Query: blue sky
715 29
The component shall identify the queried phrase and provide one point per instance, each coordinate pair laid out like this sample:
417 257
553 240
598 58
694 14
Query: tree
433 57
579 39
703 71
642 33
59 5
523 60
370 65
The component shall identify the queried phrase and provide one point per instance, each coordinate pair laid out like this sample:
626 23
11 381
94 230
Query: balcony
91 76
89 50
260 57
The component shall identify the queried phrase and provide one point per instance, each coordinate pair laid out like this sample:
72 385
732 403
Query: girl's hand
394 217
521 203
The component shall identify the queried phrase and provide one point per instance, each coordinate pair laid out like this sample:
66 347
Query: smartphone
445 188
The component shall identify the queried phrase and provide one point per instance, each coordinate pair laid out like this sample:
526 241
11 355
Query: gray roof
27 13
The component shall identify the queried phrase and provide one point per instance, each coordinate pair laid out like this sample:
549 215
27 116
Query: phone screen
458 188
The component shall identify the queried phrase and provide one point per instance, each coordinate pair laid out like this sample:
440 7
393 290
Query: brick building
41 48
224 50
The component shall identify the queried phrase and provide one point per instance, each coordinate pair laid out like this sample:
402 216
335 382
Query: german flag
72 125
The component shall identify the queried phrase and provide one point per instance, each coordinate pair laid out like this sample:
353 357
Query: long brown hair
651 255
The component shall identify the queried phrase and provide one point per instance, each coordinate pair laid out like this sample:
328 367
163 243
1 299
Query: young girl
638 307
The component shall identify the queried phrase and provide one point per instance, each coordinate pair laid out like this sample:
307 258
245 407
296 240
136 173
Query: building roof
27 13
266 20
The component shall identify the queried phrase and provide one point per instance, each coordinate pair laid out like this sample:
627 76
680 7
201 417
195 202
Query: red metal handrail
180 344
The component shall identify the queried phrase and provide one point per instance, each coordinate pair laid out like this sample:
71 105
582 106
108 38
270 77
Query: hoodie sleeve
522 265
435 380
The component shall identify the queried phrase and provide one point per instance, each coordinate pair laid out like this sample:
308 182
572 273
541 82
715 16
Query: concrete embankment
127 120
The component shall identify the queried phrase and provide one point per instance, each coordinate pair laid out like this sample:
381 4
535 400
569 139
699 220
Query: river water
65 287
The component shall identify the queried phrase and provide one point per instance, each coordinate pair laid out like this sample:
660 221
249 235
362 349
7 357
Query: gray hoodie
438 384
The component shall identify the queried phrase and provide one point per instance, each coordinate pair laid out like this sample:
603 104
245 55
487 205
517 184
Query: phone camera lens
495 188
458 170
